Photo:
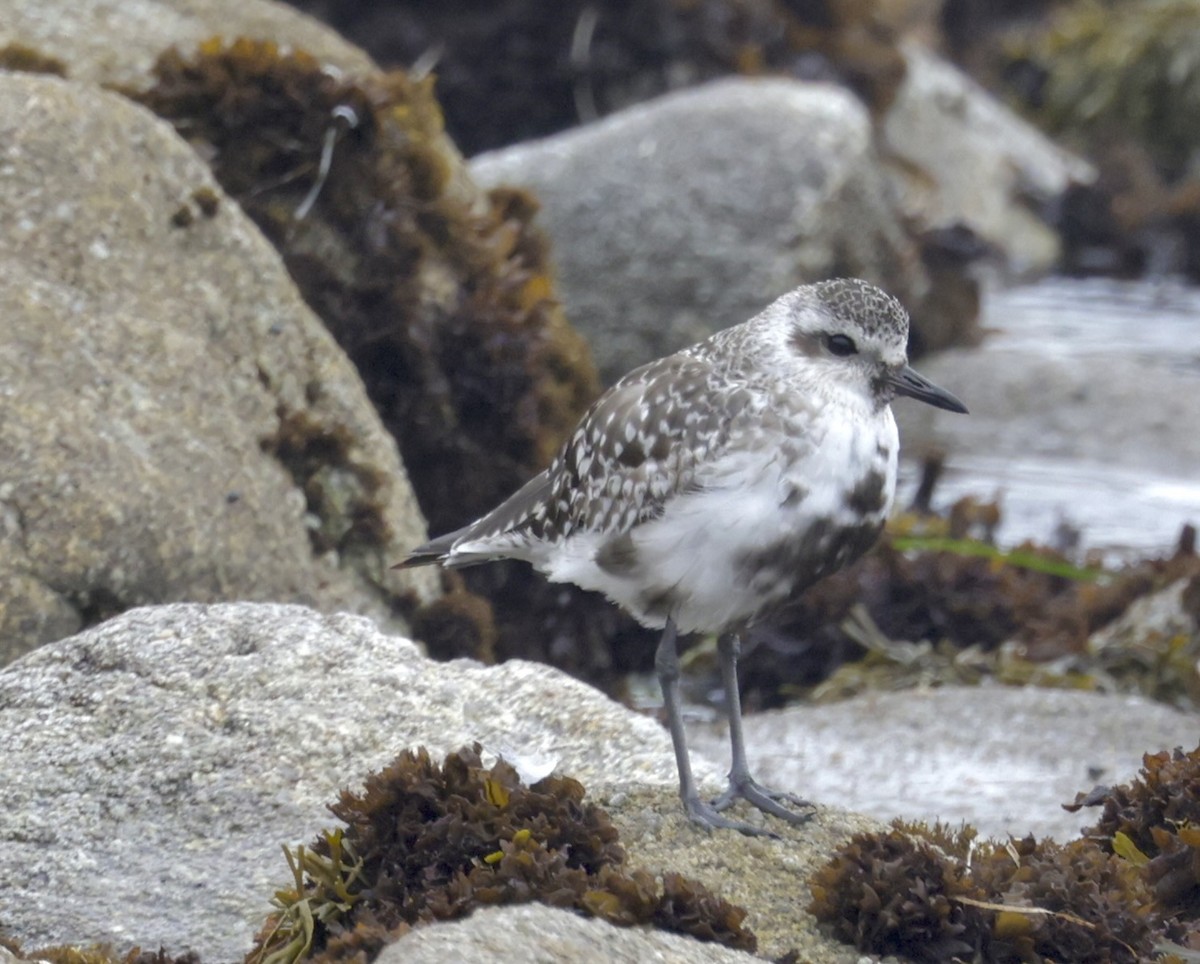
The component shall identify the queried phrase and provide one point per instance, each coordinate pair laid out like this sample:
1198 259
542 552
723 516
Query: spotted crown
872 310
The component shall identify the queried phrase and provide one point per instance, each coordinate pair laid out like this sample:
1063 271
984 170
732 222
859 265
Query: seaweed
1128 68
1128 888
19 57
456 624
1155 821
93 954
937 601
894 893
903 891
440 295
424 842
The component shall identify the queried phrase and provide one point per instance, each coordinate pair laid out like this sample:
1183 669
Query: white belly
756 528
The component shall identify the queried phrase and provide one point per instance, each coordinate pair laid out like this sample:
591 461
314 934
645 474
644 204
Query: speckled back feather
638 445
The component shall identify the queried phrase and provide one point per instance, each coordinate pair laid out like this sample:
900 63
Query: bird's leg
742 786
666 662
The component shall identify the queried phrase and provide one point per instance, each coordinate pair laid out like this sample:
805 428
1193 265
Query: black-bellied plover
704 489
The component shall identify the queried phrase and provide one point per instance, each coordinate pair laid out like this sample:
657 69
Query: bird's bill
908 382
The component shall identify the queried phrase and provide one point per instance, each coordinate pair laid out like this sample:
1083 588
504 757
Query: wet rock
1000 758
1084 408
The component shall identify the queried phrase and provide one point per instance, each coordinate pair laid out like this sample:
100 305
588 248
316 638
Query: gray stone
117 43
177 424
689 213
1002 759
960 157
154 766
545 935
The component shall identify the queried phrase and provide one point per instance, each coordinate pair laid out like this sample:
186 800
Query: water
1085 402
1157 321
1121 514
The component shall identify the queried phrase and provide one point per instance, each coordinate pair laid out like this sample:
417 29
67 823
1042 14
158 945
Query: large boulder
154 766
689 213
177 423
436 291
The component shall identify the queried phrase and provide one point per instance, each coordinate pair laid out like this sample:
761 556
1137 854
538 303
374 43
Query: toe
766 800
709 817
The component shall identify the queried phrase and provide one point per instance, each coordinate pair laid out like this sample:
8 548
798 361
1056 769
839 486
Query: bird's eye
841 345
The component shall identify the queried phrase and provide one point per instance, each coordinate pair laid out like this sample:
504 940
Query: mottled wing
639 444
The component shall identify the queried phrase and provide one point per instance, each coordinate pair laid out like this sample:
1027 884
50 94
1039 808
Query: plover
704 489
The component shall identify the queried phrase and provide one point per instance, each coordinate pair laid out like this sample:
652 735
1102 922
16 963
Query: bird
703 490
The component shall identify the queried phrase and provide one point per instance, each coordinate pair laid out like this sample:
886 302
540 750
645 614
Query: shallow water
1154 320
1120 513
1131 480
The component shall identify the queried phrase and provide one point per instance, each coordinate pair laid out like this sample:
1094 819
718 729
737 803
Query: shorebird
704 489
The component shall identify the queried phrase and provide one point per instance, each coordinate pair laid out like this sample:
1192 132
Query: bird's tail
418 558
432 552
435 553
469 546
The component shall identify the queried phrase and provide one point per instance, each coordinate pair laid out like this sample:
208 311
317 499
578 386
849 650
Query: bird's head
849 338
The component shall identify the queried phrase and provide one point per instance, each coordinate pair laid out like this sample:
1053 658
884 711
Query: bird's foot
767 800
706 815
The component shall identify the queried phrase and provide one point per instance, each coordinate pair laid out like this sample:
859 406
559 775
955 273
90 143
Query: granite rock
177 423
690 212
155 765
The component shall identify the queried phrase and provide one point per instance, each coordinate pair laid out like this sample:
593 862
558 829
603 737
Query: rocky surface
177 423
546 935
959 157
689 213
1002 759
156 764
101 42
185 744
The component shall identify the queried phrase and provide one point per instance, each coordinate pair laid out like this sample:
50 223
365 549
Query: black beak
908 382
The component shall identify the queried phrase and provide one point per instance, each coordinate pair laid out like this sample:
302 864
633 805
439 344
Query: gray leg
742 786
666 662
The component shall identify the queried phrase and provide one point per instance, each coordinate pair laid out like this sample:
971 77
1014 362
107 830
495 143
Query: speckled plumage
722 416
705 488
